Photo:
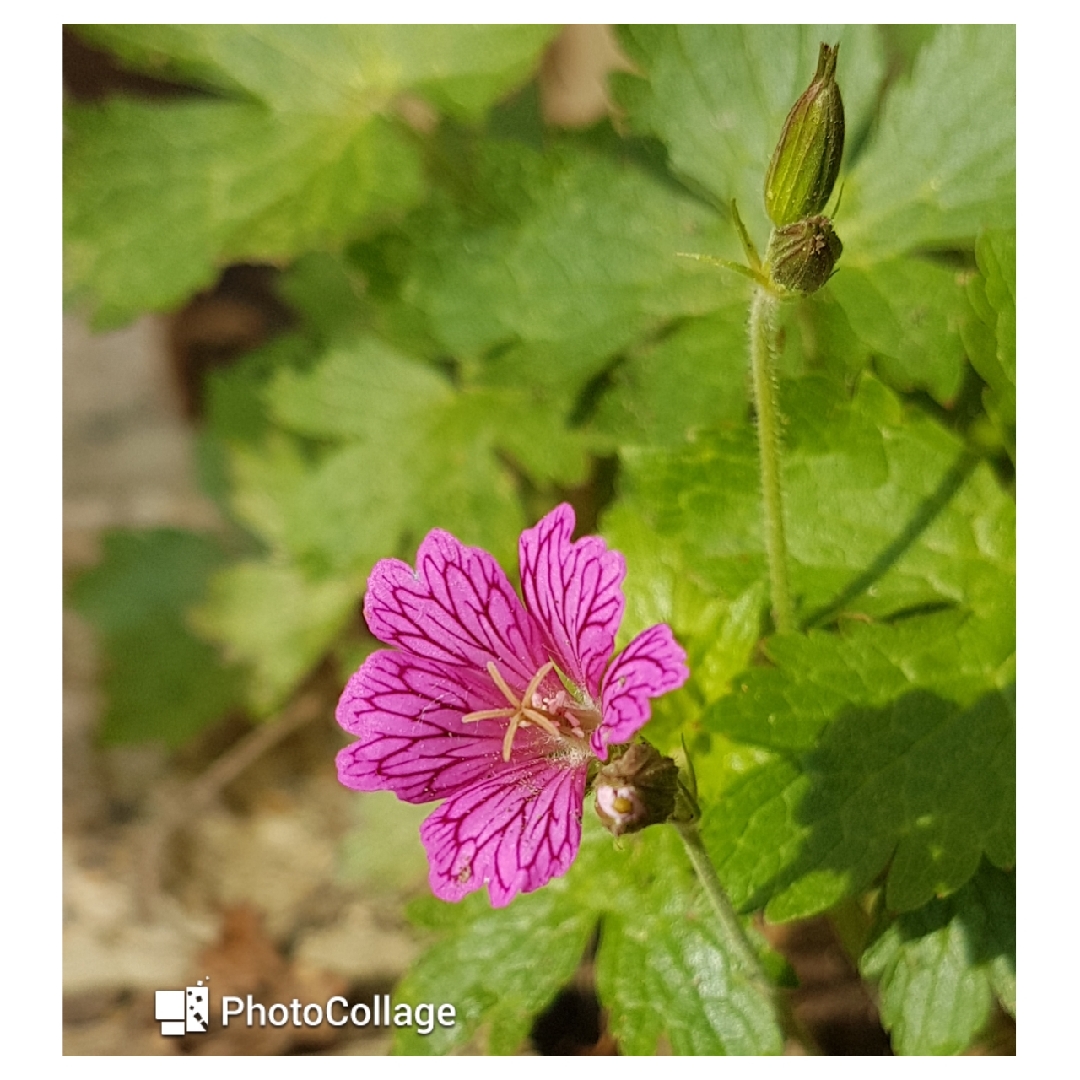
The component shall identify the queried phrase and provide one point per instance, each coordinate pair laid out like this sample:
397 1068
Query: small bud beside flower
806 160
637 789
801 256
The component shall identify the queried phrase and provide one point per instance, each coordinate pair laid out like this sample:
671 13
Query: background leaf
990 337
885 512
942 162
337 70
578 258
717 96
910 313
277 622
912 767
160 680
938 965
499 967
662 969
158 197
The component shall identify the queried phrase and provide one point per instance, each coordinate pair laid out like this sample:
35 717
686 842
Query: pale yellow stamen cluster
520 712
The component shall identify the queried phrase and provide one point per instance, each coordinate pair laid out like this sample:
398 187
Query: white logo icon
183 1011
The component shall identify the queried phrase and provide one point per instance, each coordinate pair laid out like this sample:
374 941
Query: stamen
500 682
541 721
537 679
508 742
487 714
521 713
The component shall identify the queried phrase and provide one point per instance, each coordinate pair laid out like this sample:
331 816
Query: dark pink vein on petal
651 665
457 608
406 712
574 591
514 832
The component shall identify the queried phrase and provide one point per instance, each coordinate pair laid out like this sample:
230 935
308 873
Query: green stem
762 318
735 939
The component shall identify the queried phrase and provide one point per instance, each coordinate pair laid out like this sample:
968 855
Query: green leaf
338 70
910 313
884 513
904 42
942 162
578 258
156 197
694 378
160 681
913 766
663 971
816 337
278 622
235 410
719 634
991 335
427 454
327 292
717 96
937 966
377 449
499 967
814 677
360 390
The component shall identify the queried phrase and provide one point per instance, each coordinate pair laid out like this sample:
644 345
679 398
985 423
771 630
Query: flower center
530 708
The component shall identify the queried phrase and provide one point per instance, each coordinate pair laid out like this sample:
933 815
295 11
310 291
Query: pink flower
497 707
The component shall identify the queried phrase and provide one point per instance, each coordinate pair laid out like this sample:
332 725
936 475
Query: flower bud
637 789
801 256
806 160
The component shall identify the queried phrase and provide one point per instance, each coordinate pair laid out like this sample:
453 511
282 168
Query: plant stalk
762 320
735 939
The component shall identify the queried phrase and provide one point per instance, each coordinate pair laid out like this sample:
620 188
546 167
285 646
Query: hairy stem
762 318
735 939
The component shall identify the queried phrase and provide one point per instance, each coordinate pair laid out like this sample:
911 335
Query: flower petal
457 607
651 665
574 592
514 832
407 713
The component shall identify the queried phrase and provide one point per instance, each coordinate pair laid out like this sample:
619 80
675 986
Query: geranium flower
498 707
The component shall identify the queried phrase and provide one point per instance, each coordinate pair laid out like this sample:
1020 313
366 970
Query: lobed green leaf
663 971
885 512
906 764
158 197
579 259
939 967
941 164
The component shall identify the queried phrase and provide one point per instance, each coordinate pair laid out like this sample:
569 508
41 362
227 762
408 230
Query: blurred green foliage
492 314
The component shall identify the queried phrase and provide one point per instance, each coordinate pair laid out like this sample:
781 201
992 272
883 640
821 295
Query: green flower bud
807 158
801 256
637 789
